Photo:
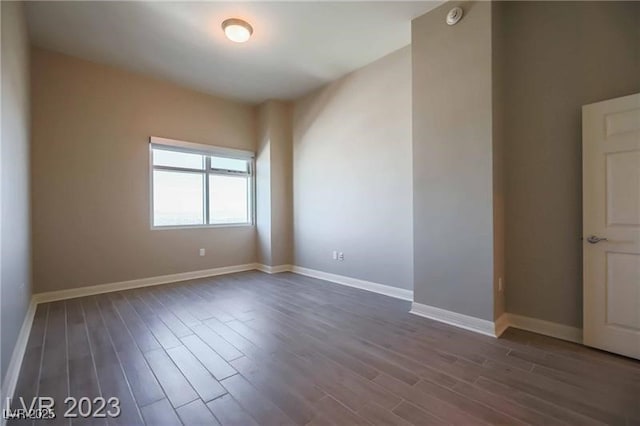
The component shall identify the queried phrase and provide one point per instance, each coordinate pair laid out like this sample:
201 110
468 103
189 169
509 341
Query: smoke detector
454 16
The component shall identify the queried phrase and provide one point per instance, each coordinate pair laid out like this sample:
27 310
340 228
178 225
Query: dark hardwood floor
251 348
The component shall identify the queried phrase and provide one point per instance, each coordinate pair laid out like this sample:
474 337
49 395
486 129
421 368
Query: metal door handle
592 239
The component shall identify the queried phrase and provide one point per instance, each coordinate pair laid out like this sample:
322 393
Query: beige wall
263 186
90 158
15 247
352 174
281 183
274 177
453 205
499 174
558 56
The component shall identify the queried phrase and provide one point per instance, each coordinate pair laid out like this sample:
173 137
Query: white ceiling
296 46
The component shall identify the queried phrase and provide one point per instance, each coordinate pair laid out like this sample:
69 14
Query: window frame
207 151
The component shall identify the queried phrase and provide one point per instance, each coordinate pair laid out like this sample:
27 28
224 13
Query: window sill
222 225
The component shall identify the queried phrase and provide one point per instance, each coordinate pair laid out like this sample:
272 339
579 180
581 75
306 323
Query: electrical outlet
202 252
335 255
341 256
500 285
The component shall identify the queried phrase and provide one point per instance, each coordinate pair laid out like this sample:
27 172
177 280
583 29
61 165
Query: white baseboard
387 290
71 293
273 269
15 363
548 328
467 322
497 327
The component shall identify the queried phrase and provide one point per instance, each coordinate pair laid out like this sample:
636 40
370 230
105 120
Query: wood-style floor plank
143 384
338 413
225 349
176 387
111 377
276 390
416 416
202 381
83 379
229 413
177 327
218 367
257 349
160 413
54 377
158 328
196 413
143 336
377 415
254 402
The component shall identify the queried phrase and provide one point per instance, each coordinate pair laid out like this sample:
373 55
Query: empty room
320 213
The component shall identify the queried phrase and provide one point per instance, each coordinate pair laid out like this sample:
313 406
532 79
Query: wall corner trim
478 325
273 269
387 290
15 363
501 324
548 328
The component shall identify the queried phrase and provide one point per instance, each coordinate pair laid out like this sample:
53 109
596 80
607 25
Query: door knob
592 239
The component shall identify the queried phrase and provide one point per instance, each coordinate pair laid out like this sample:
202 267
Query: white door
611 224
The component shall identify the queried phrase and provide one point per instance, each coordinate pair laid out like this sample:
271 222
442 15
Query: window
200 185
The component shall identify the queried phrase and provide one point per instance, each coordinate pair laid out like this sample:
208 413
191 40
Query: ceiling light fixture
237 30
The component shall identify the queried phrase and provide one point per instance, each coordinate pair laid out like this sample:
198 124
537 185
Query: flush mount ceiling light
237 30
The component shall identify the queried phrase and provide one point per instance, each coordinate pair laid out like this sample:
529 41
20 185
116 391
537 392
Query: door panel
623 181
623 293
611 212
